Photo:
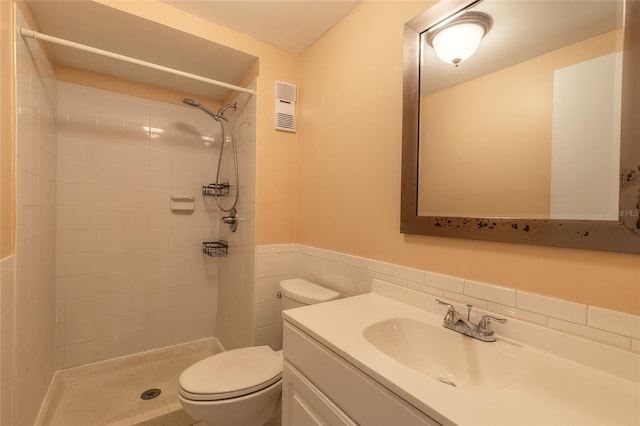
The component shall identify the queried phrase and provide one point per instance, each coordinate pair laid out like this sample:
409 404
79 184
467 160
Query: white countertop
550 389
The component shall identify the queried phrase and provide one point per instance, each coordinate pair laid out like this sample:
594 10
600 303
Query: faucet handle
451 315
449 305
484 326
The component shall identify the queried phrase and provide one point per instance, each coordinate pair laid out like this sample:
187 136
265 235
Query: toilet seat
231 374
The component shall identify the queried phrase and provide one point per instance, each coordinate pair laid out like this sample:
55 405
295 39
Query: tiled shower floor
108 393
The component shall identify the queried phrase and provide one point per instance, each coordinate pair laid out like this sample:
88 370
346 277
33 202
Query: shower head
197 104
191 102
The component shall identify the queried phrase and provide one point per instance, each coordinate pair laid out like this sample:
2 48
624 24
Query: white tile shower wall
352 275
131 275
34 297
235 293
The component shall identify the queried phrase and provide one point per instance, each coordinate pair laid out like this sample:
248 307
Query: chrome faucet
482 331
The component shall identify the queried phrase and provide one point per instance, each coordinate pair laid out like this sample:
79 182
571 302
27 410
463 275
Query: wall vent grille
285 106
285 122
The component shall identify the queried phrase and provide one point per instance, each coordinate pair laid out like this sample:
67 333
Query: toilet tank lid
307 292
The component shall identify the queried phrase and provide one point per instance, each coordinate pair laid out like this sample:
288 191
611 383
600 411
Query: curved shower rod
25 32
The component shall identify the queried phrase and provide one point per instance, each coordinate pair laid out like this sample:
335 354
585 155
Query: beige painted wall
349 175
7 132
462 167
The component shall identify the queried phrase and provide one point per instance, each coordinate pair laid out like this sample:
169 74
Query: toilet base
260 408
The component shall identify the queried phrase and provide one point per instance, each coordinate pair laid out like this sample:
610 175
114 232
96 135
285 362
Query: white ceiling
291 25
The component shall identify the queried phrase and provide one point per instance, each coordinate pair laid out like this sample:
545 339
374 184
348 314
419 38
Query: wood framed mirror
552 191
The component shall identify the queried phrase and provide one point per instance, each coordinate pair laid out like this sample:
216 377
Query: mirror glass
529 125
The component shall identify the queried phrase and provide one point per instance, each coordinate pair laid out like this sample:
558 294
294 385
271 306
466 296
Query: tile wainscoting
352 275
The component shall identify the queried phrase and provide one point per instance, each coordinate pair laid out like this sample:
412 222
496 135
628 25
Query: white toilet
242 387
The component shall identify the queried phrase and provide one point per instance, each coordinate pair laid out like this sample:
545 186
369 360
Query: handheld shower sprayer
191 102
231 220
216 116
197 104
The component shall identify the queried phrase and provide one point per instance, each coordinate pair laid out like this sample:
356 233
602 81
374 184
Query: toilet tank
298 292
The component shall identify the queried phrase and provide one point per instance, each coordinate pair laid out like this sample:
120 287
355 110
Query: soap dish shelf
218 248
216 190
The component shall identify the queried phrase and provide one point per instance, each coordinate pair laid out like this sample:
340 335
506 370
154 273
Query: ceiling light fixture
457 40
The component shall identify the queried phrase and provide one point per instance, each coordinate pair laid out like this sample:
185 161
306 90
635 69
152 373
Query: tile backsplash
352 275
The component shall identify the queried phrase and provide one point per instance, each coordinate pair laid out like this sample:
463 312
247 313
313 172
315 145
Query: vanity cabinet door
364 400
305 405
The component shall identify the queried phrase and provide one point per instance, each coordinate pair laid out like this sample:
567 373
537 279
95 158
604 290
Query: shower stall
113 208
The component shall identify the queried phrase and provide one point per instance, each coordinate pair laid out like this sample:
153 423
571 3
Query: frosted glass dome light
456 41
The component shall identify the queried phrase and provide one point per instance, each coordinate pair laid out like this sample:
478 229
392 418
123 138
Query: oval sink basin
445 355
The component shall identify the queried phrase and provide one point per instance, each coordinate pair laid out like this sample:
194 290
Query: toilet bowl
237 387
243 387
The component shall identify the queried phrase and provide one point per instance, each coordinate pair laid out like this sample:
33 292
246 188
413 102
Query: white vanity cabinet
321 388
306 405
380 359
